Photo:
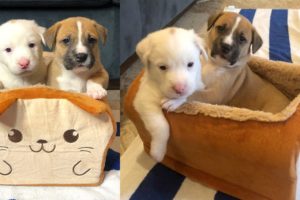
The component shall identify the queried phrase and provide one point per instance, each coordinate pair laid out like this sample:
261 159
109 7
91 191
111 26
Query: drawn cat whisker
86 151
4 147
86 148
79 174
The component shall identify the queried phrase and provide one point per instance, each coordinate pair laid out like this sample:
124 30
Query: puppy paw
171 104
96 91
158 151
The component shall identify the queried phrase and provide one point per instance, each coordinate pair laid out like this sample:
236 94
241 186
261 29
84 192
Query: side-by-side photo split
149 100
60 100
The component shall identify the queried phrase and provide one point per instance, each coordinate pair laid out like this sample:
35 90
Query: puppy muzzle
226 52
78 60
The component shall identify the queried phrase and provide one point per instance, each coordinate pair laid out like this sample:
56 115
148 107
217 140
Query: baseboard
114 84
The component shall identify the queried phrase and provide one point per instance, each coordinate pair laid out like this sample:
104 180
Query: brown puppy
76 65
227 77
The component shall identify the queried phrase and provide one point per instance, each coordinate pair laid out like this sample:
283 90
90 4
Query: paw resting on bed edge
95 90
171 105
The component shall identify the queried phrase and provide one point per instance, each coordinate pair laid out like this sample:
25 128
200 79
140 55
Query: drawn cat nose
41 141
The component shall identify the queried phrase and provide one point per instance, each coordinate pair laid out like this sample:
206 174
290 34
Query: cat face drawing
52 142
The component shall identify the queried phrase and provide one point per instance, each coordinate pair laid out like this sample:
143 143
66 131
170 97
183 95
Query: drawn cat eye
71 135
15 135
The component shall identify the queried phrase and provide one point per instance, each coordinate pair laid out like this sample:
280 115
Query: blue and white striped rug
144 179
280 30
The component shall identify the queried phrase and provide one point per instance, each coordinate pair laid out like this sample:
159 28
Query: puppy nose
41 141
179 88
24 63
81 57
226 48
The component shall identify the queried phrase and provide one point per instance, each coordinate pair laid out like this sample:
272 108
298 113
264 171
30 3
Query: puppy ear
143 50
256 41
41 30
50 35
212 19
102 31
200 45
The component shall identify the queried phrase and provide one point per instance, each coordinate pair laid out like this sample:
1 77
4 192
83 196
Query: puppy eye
220 29
8 50
242 39
190 64
66 40
92 40
163 67
31 45
15 135
71 136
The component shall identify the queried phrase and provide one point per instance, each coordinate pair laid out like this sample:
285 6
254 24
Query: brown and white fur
21 60
227 77
172 73
77 65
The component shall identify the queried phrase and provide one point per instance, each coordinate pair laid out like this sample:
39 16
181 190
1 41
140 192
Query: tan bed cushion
247 154
51 137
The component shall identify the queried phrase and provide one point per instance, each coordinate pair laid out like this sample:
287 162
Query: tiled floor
114 102
114 99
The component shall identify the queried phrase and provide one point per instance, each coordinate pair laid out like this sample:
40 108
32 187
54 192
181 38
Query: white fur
80 48
17 35
173 49
95 90
71 81
229 38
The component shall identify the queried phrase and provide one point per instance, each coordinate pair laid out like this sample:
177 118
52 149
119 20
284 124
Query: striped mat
144 179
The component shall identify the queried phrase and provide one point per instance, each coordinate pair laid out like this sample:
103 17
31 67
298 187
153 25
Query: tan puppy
76 65
227 77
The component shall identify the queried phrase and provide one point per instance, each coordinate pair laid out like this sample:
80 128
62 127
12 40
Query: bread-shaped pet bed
52 137
247 154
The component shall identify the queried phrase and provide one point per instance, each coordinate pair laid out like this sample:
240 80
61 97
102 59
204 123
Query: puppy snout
225 48
179 88
81 57
24 63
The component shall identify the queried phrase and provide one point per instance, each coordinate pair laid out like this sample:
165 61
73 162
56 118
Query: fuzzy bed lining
284 76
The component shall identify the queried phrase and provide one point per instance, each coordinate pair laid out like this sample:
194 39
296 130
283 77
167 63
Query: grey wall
140 17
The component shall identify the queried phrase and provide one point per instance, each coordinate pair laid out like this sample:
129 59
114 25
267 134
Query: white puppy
172 73
21 61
